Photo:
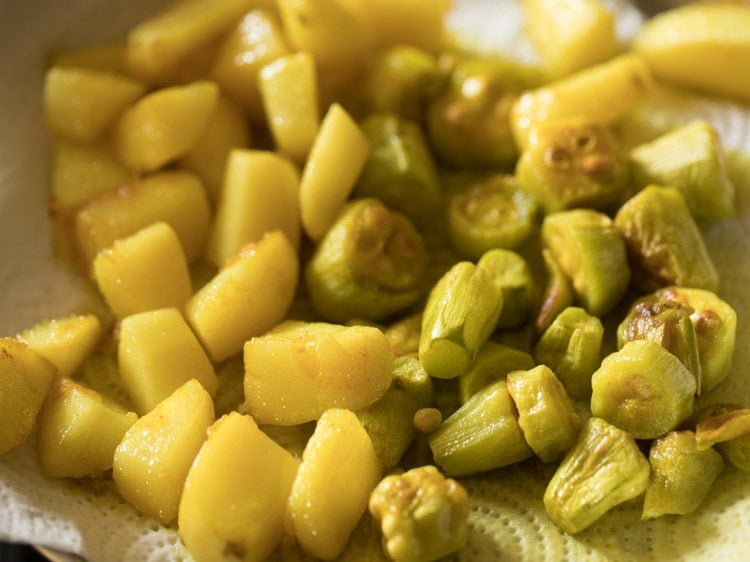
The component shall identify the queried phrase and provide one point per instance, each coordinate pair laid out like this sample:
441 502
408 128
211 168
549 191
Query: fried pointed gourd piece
78 431
339 470
571 34
235 494
481 435
691 159
604 468
402 80
546 415
298 370
390 421
493 362
568 165
666 322
512 275
369 265
591 252
400 170
699 46
469 123
643 389
404 335
423 516
494 212
681 475
571 347
727 426
715 324
557 296
461 312
664 244
25 379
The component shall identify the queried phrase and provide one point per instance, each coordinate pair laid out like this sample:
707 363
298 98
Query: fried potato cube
299 370
289 90
80 104
64 342
81 171
174 197
260 194
227 130
248 296
600 94
157 354
337 157
702 46
331 491
145 271
235 495
78 430
25 379
156 46
570 34
395 22
253 42
164 125
153 459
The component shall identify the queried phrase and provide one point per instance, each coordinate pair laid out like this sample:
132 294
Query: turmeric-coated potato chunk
299 370
78 431
250 294
157 354
330 493
152 460
235 494
25 379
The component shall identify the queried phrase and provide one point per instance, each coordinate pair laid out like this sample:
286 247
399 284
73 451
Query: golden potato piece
250 295
570 34
25 379
228 129
164 125
78 431
702 46
260 194
157 45
337 157
145 271
289 90
175 197
235 494
157 354
152 460
299 370
80 104
330 493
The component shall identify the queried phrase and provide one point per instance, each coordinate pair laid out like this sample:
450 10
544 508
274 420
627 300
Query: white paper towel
508 521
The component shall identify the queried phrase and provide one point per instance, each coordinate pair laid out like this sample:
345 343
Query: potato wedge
153 458
78 431
25 379
235 494
64 342
330 493
299 370
702 46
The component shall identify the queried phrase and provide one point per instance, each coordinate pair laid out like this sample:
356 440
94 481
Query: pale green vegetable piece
681 475
603 469
493 362
461 313
512 275
481 435
423 515
643 389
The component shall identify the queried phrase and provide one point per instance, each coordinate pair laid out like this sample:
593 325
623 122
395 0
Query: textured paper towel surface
508 521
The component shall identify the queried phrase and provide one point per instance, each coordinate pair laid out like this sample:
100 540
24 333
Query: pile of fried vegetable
364 253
